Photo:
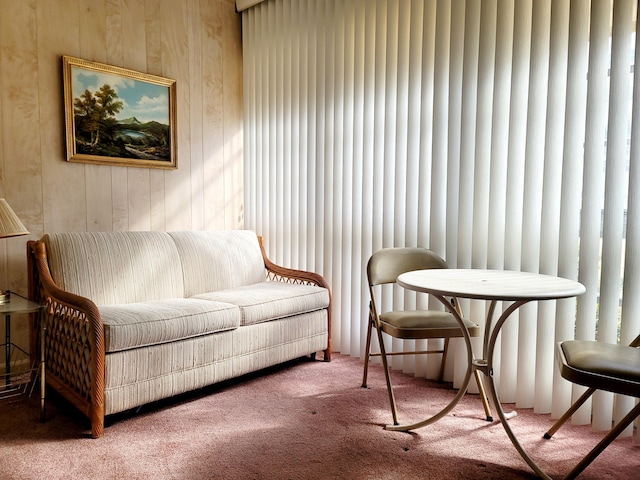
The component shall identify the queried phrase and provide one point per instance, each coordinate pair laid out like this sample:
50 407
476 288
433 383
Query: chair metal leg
367 352
387 376
483 396
445 350
567 415
597 450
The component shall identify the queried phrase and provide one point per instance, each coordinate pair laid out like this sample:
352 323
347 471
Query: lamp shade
10 224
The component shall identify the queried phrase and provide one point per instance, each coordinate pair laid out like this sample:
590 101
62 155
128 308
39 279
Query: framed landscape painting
115 116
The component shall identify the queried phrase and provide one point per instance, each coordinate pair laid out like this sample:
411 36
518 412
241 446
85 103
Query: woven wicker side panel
276 277
68 348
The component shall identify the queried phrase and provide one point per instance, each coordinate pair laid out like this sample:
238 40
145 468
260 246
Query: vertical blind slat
499 179
630 324
573 155
551 199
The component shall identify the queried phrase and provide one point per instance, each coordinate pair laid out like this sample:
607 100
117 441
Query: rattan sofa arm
290 275
277 272
76 312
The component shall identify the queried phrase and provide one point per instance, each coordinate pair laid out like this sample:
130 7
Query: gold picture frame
116 116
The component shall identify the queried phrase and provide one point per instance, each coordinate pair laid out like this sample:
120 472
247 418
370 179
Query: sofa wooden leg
97 429
97 423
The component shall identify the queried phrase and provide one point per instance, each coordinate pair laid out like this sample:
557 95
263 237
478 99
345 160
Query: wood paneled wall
195 42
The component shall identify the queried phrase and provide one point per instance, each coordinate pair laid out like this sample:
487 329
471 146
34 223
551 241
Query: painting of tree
117 116
95 114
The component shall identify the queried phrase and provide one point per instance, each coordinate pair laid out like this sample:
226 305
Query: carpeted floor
304 420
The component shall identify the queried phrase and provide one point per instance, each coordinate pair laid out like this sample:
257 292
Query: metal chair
599 366
383 267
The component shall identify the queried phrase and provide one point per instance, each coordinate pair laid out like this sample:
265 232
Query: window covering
499 133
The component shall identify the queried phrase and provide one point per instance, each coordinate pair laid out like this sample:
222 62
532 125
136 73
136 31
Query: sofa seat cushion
160 321
270 300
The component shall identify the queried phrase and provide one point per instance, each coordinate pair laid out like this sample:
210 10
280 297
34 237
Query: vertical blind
498 133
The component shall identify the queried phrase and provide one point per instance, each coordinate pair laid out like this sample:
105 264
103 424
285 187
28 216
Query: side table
17 377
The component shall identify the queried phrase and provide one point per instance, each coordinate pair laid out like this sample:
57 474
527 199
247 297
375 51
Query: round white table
515 288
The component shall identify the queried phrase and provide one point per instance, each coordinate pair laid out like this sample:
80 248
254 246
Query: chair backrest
386 264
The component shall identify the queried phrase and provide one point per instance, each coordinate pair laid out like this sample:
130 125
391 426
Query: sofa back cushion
113 268
219 260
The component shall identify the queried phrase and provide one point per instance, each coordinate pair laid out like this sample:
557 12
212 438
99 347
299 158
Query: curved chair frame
384 267
599 366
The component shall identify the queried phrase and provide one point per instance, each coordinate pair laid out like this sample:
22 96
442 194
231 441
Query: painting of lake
119 116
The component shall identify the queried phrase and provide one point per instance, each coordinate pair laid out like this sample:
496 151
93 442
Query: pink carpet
304 420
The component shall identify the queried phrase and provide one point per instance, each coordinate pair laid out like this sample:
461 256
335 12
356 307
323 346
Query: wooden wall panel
119 190
195 42
138 179
175 64
213 145
3 249
93 46
21 147
232 120
20 140
153 30
196 137
63 195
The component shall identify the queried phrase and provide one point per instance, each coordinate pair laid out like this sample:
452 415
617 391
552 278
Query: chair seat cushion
603 359
142 324
424 324
268 300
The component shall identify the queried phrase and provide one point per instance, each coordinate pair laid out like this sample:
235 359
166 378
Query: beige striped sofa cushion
160 321
219 260
265 301
116 267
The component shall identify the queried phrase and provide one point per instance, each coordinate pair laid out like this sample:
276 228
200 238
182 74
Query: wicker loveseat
134 317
